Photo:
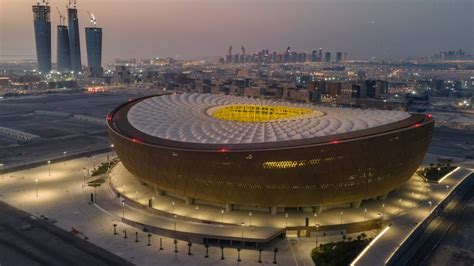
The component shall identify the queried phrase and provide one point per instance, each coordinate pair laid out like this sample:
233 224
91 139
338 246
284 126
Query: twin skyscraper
68 41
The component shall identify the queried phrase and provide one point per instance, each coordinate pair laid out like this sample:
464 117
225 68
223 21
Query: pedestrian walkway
401 226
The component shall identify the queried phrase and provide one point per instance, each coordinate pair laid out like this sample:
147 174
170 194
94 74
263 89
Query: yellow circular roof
259 113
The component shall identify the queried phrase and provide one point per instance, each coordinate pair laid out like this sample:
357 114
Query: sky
191 28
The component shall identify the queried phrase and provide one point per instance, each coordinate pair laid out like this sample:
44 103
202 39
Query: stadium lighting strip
448 174
353 263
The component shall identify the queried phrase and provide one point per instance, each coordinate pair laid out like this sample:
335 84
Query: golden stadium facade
255 152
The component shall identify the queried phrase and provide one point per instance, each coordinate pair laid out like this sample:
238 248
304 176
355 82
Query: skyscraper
327 57
94 51
63 52
74 41
42 25
338 57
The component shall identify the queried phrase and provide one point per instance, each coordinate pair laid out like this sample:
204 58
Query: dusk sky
159 28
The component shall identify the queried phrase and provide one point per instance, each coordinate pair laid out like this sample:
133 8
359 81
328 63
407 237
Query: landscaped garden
435 172
339 253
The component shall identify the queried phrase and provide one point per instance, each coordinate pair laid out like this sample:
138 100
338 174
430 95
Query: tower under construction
74 41
63 51
94 48
42 26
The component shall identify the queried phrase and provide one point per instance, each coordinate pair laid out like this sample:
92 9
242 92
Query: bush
432 174
339 253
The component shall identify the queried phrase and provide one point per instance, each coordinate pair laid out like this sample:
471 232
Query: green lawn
432 174
339 253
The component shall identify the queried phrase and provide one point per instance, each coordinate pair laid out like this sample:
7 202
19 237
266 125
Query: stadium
242 151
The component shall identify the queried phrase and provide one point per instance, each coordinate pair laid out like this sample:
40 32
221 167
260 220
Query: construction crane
230 50
92 19
243 50
71 4
62 19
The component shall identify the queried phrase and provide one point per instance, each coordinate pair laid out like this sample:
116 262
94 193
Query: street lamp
197 212
123 208
222 215
1 169
172 205
64 155
286 220
365 214
136 195
447 189
315 217
250 219
430 203
439 169
49 168
242 225
36 181
342 214
399 206
84 176
383 210
317 234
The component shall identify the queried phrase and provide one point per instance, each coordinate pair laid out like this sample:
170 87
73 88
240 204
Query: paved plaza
63 197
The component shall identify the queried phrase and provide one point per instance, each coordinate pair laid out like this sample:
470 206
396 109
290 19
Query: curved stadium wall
330 169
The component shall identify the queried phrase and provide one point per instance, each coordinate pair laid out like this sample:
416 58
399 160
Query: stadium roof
220 119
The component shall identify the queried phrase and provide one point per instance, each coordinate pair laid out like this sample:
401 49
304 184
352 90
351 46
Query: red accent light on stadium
129 100
109 117
136 140
417 125
224 150
429 115
334 142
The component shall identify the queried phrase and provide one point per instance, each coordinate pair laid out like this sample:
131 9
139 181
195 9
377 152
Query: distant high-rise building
338 57
63 52
320 55
314 55
229 55
74 41
327 57
42 26
94 51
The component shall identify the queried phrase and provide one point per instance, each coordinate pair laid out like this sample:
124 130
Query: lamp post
430 203
439 169
399 206
315 218
136 195
365 214
84 176
197 212
93 161
172 206
342 214
175 216
412 199
447 190
49 168
123 208
286 220
242 226
1 169
317 234
383 210
250 219
222 215
36 181
64 155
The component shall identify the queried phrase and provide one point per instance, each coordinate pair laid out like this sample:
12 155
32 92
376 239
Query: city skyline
207 27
